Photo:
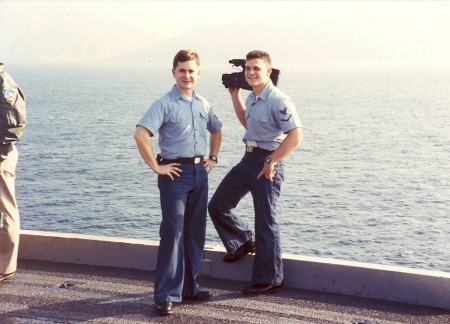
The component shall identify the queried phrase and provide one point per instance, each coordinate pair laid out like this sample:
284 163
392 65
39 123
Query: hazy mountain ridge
60 37
216 45
311 35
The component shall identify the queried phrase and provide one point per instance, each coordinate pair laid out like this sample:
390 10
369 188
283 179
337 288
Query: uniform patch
9 95
286 116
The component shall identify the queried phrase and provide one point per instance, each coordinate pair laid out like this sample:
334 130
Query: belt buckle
197 160
249 149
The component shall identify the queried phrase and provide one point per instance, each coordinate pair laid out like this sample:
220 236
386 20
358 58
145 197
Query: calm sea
369 183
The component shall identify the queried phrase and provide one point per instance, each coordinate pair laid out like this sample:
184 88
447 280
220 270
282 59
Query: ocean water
369 183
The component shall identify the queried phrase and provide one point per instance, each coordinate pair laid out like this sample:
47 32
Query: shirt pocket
203 116
263 119
263 124
175 118
203 122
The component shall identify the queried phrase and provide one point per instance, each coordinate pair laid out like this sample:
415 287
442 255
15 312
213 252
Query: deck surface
47 293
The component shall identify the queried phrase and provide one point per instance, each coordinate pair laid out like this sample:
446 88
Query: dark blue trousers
182 232
233 231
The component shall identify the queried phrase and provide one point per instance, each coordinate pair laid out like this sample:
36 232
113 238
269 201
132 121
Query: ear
269 71
173 73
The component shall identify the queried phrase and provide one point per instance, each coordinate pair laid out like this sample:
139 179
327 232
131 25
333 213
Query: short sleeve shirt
182 125
269 117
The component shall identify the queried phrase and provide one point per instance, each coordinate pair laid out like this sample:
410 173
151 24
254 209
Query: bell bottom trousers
182 233
9 222
233 231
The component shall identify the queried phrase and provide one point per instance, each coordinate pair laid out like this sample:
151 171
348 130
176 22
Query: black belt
251 149
191 160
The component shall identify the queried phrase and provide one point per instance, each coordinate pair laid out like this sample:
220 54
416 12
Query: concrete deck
71 278
49 293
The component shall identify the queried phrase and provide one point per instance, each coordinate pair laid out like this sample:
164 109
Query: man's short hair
259 55
185 55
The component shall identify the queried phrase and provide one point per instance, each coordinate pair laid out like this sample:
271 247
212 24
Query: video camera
237 79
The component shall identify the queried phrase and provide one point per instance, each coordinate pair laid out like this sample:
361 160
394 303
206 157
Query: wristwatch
213 157
269 160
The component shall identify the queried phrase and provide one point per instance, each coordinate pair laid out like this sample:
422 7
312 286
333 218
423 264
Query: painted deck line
391 283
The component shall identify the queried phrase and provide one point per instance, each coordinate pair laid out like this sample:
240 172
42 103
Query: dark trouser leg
268 264
231 228
195 230
170 268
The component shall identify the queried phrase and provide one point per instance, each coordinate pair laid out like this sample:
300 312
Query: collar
174 94
264 93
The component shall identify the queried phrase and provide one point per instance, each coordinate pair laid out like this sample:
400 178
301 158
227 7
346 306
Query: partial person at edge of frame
12 124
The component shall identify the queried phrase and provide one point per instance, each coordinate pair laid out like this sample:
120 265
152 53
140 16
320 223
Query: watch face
268 160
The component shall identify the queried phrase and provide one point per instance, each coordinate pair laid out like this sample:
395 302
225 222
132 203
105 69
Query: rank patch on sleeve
286 115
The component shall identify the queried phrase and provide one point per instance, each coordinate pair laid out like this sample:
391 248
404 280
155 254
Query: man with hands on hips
182 119
273 131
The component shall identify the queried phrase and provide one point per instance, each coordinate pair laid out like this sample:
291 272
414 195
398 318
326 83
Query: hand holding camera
238 80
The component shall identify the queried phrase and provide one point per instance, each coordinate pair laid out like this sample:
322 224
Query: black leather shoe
164 308
202 295
257 289
242 251
8 276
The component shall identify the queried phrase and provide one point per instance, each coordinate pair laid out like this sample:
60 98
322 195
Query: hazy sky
411 32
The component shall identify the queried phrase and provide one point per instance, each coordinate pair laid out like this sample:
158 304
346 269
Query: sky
396 32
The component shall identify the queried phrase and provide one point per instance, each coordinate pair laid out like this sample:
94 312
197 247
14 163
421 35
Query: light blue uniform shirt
182 125
269 117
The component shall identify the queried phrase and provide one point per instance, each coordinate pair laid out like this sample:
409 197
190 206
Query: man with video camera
273 131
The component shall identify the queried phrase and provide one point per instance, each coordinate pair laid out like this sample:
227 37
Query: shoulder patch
9 95
285 114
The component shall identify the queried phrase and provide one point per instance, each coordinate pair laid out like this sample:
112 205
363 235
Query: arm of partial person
143 140
293 139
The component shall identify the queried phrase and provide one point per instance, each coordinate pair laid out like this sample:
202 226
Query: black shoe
202 295
257 289
164 308
242 251
7 276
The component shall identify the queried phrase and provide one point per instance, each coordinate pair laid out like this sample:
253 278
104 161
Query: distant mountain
58 37
217 44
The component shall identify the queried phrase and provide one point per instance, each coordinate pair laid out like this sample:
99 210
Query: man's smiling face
257 73
186 75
